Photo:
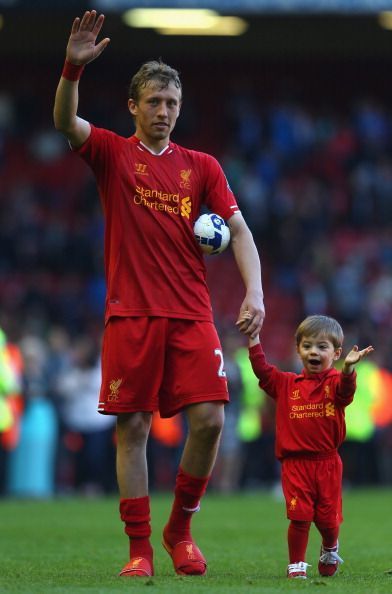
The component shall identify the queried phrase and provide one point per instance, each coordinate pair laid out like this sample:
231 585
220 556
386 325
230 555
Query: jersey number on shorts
221 371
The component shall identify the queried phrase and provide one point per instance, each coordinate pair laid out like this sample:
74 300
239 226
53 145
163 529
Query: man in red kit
310 427
160 349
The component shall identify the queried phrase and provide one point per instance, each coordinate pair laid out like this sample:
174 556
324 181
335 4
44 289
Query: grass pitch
78 546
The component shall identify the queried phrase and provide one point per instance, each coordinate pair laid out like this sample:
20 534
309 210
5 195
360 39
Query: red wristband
72 71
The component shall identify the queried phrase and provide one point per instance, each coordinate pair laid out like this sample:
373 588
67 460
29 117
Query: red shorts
313 490
160 364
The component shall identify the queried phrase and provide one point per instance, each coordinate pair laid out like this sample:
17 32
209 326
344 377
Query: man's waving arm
81 49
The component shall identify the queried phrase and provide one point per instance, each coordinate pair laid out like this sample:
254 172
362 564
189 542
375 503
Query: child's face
317 353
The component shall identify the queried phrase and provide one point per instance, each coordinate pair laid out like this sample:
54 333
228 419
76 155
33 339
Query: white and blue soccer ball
211 233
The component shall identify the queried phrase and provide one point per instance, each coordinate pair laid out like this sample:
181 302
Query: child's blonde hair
317 324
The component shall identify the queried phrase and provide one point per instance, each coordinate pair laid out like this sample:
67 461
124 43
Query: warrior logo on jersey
185 174
295 395
141 168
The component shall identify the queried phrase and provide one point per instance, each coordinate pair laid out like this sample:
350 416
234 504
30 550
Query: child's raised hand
356 355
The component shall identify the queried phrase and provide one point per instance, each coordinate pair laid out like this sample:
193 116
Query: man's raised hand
82 47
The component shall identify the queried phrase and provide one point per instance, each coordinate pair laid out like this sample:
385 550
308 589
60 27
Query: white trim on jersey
152 152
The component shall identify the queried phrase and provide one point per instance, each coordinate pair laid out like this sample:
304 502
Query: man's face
156 112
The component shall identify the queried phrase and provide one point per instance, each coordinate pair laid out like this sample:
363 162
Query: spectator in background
227 471
32 462
167 438
9 414
87 438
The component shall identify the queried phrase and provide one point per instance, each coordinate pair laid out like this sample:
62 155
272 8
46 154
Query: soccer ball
211 233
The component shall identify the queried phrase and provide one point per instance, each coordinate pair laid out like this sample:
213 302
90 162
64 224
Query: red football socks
298 535
135 513
187 494
329 536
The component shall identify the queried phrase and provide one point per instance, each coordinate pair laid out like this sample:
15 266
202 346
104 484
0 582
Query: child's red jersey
309 407
153 265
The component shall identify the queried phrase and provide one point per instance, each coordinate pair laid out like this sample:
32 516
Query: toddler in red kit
310 427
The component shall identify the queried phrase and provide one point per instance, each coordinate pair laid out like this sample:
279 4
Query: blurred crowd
314 184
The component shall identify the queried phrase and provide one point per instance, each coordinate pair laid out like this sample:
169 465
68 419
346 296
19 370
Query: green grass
77 545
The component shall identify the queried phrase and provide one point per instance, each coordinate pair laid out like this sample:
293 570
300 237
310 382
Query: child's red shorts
313 490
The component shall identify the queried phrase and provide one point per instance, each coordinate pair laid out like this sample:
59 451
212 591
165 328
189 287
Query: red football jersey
309 407
153 264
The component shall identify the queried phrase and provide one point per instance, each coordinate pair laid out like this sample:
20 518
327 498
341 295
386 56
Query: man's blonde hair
317 324
156 71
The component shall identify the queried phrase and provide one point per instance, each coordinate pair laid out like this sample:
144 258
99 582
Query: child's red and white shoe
329 561
297 570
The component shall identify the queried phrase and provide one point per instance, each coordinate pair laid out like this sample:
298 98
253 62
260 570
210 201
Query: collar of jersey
135 140
317 376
